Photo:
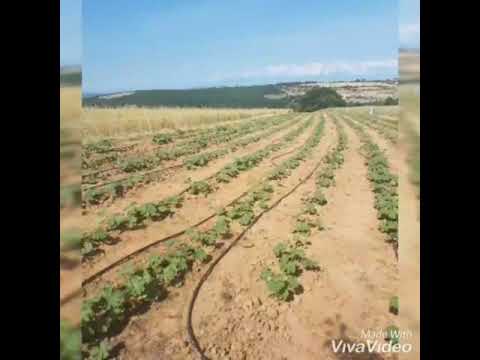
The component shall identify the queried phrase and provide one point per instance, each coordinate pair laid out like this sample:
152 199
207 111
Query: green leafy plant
94 196
318 198
131 165
140 286
393 334
222 226
118 222
310 209
281 286
208 238
302 228
99 147
200 187
71 240
100 351
161 139
91 240
70 342
243 213
394 305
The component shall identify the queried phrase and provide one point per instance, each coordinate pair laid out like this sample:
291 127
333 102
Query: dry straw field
131 121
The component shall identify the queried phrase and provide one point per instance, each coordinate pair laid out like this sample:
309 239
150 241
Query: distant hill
281 95
232 97
70 75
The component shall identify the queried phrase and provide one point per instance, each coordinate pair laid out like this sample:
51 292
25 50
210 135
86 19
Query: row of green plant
98 162
384 183
107 313
134 217
98 147
391 123
248 162
112 191
292 260
70 342
217 135
384 130
244 212
293 162
119 188
203 159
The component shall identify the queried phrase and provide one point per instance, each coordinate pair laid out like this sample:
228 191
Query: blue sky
409 18
147 44
70 32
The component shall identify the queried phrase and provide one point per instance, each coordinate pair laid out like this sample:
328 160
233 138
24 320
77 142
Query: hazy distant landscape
70 75
283 95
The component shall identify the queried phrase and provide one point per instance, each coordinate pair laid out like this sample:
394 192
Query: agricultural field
264 235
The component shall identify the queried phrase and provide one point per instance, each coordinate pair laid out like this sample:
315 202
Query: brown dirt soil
351 293
176 180
145 147
392 151
234 318
145 338
188 214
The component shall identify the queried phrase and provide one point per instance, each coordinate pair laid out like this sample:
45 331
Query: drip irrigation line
191 334
125 258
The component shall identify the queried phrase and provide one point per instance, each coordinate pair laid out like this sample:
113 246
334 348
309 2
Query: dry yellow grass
130 121
70 105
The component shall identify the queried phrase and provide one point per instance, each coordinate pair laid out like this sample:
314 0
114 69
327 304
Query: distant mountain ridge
232 97
280 95
70 75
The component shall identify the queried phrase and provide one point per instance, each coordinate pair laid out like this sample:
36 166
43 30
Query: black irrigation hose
127 177
156 242
181 165
156 148
180 233
70 296
191 334
272 160
166 169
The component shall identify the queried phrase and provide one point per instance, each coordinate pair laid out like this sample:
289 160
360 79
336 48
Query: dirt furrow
188 214
396 163
351 293
161 333
116 174
179 179
224 314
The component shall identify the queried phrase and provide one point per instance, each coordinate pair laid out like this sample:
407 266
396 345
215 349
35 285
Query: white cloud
318 69
410 33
